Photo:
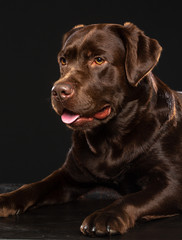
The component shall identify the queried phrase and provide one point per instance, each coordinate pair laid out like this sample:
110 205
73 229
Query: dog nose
62 91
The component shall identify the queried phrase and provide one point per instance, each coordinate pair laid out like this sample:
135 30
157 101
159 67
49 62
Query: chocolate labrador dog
127 131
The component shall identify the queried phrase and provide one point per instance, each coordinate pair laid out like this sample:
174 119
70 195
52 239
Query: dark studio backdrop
33 140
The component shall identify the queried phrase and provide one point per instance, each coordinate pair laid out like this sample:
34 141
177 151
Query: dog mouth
71 118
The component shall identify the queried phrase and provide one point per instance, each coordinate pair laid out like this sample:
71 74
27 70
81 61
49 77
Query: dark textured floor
63 221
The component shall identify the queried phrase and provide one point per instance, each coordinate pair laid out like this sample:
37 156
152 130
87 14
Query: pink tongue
69 117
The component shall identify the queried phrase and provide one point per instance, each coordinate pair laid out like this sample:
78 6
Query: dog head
101 66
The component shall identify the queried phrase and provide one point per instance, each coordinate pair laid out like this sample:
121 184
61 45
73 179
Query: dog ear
142 53
73 30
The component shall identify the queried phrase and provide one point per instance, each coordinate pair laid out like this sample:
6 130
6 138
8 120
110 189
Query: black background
33 140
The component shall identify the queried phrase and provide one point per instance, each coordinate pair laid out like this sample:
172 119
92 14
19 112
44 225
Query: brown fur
128 135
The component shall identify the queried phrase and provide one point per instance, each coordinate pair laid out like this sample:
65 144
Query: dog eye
63 61
99 60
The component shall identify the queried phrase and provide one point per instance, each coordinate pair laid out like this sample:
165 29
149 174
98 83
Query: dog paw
8 206
102 223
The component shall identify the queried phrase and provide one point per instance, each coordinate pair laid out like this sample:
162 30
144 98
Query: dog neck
164 95
153 81
92 148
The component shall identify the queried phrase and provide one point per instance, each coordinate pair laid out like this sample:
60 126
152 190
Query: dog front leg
154 202
56 188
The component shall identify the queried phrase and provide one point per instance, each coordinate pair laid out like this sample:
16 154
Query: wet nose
62 91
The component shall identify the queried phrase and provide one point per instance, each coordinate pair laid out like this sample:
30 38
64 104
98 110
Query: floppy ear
142 53
73 30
